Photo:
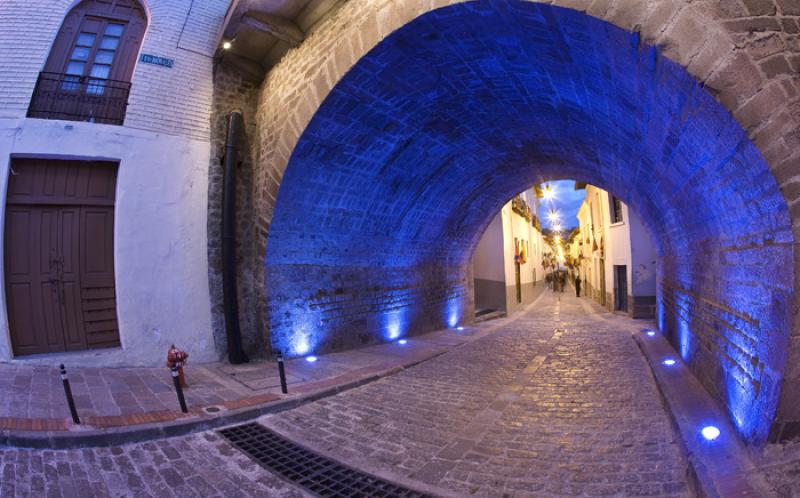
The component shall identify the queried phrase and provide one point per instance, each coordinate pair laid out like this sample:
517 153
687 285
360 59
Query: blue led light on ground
668 362
710 432
651 333
459 328
311 359
402 341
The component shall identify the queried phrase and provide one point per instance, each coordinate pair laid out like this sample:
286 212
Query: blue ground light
710 432
428 135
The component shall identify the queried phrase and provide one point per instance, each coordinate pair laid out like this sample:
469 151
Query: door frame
79 204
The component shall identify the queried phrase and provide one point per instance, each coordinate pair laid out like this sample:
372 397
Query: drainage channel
303 467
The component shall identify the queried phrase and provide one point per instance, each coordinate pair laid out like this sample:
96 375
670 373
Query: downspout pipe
230 299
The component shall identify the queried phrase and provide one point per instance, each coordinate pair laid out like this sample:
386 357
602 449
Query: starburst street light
553 216
549 193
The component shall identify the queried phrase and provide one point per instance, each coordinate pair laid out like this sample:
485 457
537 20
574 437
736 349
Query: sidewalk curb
696 472
146 432
712 466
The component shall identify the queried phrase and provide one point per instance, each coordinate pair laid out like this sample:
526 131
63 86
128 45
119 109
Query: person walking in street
577 286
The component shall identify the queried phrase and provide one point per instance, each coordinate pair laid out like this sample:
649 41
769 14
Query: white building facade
616 255
507 263
104 162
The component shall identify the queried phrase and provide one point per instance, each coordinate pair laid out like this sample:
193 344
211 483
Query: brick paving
558 402
119 397
202 465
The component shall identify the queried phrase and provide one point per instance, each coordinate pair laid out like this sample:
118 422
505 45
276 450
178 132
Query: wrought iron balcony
79 98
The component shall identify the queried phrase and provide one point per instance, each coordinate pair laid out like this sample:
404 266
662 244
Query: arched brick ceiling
422 141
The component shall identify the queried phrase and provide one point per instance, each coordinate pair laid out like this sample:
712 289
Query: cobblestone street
560 402
201 465
556 401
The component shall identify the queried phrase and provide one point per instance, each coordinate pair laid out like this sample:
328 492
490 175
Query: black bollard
282 373
179 389
68 392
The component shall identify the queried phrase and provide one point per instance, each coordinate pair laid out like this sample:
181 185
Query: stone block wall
234 93
652 103
316 308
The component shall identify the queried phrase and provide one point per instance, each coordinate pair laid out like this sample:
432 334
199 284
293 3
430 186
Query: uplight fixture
710 432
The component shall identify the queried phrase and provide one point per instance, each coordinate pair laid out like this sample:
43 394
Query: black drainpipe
230 299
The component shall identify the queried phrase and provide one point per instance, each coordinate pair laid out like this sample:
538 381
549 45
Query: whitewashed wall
161 258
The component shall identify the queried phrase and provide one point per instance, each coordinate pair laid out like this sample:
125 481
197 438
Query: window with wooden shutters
87 75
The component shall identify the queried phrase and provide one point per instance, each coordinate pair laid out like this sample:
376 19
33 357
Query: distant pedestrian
577 286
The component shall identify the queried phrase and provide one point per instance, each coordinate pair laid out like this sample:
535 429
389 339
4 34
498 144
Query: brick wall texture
399 127
176 101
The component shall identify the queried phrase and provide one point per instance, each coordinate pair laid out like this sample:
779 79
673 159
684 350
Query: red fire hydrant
177 358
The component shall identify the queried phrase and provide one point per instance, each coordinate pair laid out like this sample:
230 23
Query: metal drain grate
319 474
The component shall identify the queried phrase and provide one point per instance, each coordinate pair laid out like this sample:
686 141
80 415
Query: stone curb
716 470
146 432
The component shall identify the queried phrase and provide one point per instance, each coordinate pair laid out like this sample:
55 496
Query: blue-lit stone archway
412 152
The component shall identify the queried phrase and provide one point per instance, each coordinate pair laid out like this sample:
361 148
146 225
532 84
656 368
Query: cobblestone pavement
558 402
780 466
202 465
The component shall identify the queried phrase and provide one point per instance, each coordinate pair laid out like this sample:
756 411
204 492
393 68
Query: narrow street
557 400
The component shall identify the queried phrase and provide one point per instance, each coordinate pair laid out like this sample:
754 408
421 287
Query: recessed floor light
710 432
311 359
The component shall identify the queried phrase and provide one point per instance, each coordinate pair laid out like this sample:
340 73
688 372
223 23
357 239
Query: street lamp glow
710 432
226 45
553 215
549 193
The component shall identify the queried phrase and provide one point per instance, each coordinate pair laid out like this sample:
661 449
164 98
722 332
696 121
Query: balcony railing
79 98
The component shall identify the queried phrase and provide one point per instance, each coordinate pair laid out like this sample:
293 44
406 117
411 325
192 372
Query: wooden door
31 279
602 282
59 262
621 289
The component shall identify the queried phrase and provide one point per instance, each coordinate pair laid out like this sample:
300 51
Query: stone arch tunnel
425 137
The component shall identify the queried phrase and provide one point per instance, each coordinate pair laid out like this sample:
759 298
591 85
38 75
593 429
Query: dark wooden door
602 282
59 260
621 289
